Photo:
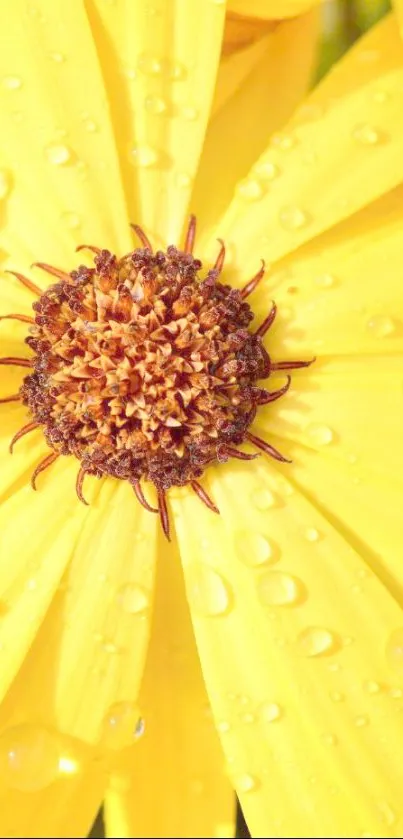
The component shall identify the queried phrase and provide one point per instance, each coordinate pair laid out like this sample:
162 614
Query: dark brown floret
143 369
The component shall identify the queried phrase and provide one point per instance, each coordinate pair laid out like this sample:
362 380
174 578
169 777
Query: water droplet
366 134
381 326
325 280
245 782
372 687
5 184
312 534
143 156
129 73
270 712
123 725
396 693
387 813
316 641
90 125
249 189
320 435
58 57
278 589
133 599
267 170
29 757
293 218
329 739
264 499
12 82
149 65
283 141
394 650
110 647
183 180
209 593
58 154
71 220
223 726
31 584
188 113
247 718
253 548
336 696
361 721
155 105
177 72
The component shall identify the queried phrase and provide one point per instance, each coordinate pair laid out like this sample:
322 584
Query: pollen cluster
146 368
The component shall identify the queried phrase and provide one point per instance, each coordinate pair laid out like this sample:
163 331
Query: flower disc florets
142 368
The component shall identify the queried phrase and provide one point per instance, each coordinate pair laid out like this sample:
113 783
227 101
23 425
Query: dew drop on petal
329 739
245 782
325 281
372 687
188 112
143 156
123 725
387 813
209 594
320 435
183 180
223 726
270 712
249 189
12 82
58 57
312 534
361 721
29 757
149 65
366 134
275 588
336 696
381 326
71 220
263 499
253 549
293 218
155 105
394 650
5 183
90 125
58 154
283 141
133 599
316 641
267 170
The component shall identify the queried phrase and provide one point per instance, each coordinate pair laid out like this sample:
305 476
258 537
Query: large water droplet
270 712
249 189
381 326
394 650
133 599
155 105
12 82
264 499
366 134
254 549
29 757
143 156
208 592
245 782
123 725
293 218
5 183
320 435
275 588
316 641
58 154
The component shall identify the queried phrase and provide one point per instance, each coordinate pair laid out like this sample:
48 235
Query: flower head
293 590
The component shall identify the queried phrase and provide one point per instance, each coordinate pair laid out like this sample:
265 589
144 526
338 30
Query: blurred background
343 22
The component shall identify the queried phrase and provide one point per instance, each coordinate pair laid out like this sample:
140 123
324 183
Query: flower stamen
142 236
13 361
22 318
251 285
30 426
44 464
141 498
79 485
26 282
203 495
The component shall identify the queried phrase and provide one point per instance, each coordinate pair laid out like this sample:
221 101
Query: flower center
146 370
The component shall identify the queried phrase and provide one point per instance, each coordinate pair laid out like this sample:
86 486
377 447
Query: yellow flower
295 588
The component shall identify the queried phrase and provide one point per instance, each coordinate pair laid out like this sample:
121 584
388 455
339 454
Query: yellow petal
37 534
295 637
246 97
59 162
341 151
65 808
160 92
90 651
178 762
398 6
270 8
